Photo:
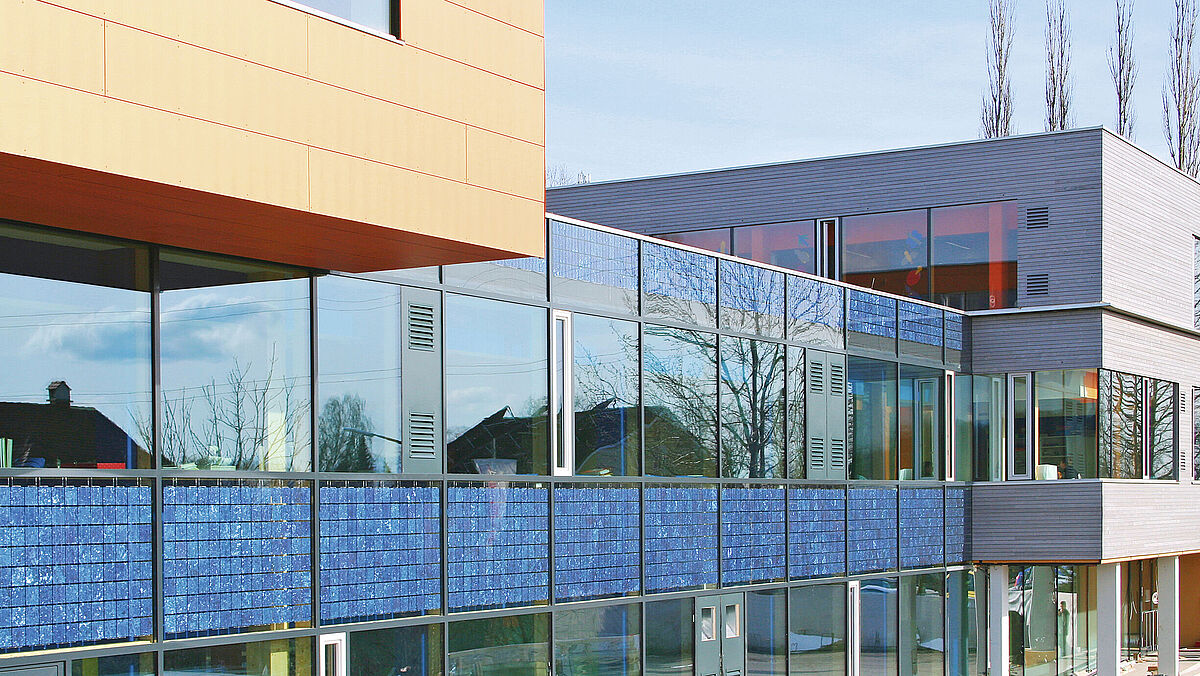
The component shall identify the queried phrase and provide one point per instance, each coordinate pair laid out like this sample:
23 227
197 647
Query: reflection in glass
1067 409
141 664
1020 427
75 323
975 256
871 322
816 312
281 657
1033 619
680 372
1075 617
752 406
711 240
1161 427
606 396
401 650
888 252
598 641
872 420
496 387
953 330
376 14
1195 433
766 632
594 269
920 422
962 640
878 641
818 630
989 421
519 277
787 245
235 365
1120 425
964 428
358 331
670 637
796 412
679 285
921 617
920 331
751 299
516 645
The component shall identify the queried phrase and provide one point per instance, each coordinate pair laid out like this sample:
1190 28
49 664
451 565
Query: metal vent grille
816 378
837 454
422 436
816 452
1037 218
837 379
420 327
1037 285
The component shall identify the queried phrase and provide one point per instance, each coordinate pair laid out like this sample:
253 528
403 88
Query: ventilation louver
1037 285
422 437
1037 218
420 327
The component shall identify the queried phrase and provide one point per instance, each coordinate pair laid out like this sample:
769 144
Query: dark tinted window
516 645
787 245
402 650
888 252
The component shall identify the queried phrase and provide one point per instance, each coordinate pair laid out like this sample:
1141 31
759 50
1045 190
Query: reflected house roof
75 436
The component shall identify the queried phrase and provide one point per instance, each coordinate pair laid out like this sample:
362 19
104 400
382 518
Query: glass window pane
888 252
281 657
871 423
681 393
594 269
376 14
816 312
920 331
921 617
710 240
787 245
964 427
607 396
752 375
921 422
1020 431
871 322
517 645
141 664
497 385
1033 613
975 256
990 416
953 330
598 641
1195 433
518 277
962 640
358 332
426 275
1161 409
817 635
1120 426
669 638
796 412
75 323
235 365
766 632
1067 410
879 639
708 623
679 285
402 650
751 299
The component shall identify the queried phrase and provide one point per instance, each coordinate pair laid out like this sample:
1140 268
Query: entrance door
721 635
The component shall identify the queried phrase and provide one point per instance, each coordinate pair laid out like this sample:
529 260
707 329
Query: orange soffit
49 193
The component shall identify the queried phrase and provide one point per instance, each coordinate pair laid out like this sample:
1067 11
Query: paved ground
1189 665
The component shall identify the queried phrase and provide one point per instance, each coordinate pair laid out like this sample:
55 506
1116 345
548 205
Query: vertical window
520 643
710 240
496 387
606 396
374 14
873 419
1122 426
1195 433
680 376
1067 410
818 629
797 412
562 428
888 252
787 245
962 626
964 428
402 650
358 421
1161 428
879 633
975 256
766 632
1020 431
990 427
922 625
1196 282
752 404
598 641
75 325
670 642
235 364
921 404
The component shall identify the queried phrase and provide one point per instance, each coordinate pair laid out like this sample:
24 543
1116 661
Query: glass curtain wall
717 240
888 252
516 645
670 637
921 423
1067 410
962 611
817 636
598 641
975 255
922 625
680 380
752 408
281 657
787 245
872 420
1052 613
767 632
400 650
607 396
879 634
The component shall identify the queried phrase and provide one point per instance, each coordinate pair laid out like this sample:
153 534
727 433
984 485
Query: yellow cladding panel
527 14
53 44
161 73
376 193
506 164
451 30
261 31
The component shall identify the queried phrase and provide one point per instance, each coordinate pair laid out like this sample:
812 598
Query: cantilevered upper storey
270 130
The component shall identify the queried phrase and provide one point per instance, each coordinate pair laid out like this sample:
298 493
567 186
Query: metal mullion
314 485
550 563
157 548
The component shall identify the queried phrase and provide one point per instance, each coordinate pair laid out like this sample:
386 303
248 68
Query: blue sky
661 86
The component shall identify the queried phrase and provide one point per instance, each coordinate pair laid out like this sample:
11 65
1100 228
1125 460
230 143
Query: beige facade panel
52 44
527 15
452 30
503 163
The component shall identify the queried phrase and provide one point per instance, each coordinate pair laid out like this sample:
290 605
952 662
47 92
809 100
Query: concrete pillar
1168 616
997 600
1108 619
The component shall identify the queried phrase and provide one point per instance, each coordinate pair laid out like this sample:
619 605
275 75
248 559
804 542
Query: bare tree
1181 91
558 175
1058 66
996 115
1123 68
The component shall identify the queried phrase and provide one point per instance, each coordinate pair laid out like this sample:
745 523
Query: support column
1168 616
1108 619
997 601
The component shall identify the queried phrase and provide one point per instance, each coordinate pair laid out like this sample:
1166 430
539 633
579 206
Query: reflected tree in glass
1162 428
680 376
879 635
766 632
752 406
606 392
598 641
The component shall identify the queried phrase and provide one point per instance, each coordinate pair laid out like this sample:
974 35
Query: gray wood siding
1151 217
1062 172
1037 521
1146 519
1147 349
1041 341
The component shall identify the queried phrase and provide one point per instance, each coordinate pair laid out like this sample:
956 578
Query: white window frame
342 667
829 263
1030 428
562 391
